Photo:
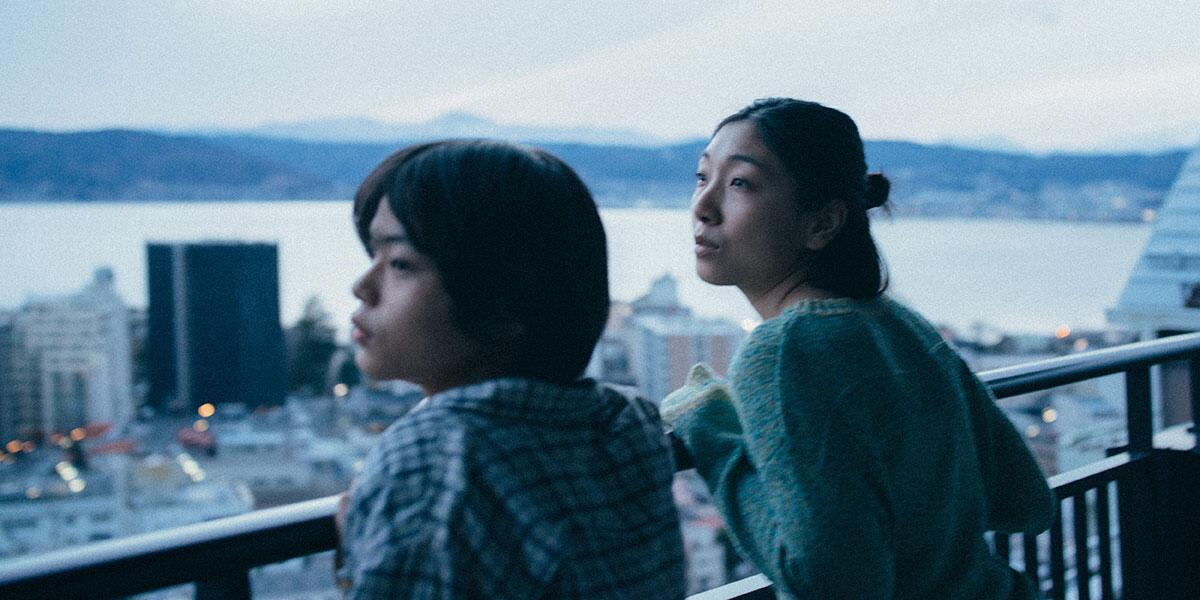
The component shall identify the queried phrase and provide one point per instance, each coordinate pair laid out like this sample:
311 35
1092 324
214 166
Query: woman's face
749 228
403 326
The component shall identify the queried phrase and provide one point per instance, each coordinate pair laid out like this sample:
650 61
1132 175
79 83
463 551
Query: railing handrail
178 555
309 525
1073 368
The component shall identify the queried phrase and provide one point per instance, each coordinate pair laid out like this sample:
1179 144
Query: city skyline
1066 75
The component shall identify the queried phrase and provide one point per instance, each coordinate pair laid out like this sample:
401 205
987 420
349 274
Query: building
664 348
1162 295
8 395
41 513
65 362
43 508
653 342
214 335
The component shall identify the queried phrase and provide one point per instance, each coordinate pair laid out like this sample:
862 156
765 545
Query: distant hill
618 175
451 124
932 180
138 165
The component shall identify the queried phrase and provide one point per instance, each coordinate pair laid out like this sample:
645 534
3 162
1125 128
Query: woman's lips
705 248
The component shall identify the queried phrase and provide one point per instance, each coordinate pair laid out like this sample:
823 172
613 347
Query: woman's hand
702 386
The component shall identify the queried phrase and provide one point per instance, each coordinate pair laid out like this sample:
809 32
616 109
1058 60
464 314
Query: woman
852 452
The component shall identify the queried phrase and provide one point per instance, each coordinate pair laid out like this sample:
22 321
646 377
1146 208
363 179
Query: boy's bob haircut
517 240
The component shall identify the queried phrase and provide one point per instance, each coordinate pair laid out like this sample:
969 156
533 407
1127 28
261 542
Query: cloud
1043 75
1049 74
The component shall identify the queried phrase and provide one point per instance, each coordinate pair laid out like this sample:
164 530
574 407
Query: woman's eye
701 178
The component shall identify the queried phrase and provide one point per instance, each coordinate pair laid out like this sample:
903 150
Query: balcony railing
1150 550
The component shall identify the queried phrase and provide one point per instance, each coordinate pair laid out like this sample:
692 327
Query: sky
1052 75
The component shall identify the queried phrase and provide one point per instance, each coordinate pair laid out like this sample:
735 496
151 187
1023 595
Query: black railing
1150 553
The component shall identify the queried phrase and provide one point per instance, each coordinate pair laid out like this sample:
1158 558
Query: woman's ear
824 225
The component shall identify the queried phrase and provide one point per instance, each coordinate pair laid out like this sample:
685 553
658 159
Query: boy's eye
738 182
701 178
400 264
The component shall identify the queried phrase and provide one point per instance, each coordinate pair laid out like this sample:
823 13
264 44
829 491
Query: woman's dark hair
517 240
821 148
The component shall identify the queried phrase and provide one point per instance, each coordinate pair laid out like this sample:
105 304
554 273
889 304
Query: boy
514 478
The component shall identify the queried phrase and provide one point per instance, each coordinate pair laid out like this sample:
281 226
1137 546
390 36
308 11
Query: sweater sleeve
797 479
1018 498
704 419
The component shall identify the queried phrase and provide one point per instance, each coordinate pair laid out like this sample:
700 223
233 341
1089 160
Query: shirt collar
525 399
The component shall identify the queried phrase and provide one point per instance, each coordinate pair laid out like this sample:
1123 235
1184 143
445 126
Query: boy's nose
363 287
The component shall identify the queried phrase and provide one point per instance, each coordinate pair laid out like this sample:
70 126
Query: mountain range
451 124
327 160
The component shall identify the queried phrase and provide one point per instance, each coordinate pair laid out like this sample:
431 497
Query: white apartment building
69 360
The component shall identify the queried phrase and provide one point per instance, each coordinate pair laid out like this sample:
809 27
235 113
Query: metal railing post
1135 493
1194 388
1139 412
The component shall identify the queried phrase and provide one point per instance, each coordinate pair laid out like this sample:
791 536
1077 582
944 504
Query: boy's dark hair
822 150
517 240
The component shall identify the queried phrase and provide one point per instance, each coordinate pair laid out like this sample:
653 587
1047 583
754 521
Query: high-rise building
1162 295
66 361
214 331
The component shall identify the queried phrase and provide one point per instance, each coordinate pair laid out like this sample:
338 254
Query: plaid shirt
514 488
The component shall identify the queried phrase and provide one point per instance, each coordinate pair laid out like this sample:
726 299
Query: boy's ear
824 225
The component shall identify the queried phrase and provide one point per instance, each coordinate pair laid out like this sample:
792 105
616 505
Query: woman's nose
704 206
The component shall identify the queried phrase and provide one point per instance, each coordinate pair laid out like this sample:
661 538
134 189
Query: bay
1016 276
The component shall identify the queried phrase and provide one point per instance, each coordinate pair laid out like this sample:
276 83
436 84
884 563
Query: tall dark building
214 332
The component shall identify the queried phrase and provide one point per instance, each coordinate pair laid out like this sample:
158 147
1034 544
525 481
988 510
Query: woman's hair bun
878 187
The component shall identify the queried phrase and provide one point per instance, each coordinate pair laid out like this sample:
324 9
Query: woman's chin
710 275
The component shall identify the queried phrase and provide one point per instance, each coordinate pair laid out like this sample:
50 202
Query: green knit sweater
855 455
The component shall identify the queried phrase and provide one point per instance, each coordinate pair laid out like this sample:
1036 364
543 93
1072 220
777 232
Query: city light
14 446
190 467
1049 415
1032 431
76 485
206 410
78 434
67 471
1081 344
340 390
1062 332
200 425
27 447
33 492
